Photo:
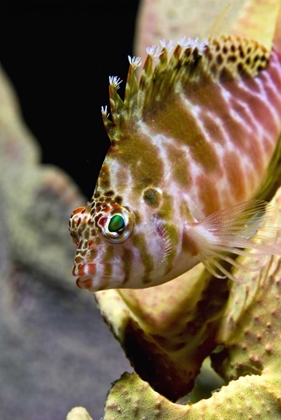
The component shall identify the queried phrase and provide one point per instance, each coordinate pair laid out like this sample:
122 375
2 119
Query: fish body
192 144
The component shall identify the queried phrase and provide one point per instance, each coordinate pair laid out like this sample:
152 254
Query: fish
195 146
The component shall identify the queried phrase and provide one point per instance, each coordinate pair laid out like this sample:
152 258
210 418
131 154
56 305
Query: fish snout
98 276
78 223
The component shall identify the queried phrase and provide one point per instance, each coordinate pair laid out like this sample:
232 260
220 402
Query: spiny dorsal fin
168 69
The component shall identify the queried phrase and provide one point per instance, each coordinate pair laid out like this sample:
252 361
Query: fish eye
118 226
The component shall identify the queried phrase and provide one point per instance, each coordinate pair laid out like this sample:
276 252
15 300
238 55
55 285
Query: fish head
121 234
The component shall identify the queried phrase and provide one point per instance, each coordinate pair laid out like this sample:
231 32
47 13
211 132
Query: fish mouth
92 284
96 277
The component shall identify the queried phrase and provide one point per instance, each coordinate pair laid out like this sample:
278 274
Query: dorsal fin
165 73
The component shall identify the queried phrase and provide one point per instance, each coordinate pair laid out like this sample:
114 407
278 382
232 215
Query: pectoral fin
234 231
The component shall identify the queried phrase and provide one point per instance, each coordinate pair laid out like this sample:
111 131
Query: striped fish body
191 147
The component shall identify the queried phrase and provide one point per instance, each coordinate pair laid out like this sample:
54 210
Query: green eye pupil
116 223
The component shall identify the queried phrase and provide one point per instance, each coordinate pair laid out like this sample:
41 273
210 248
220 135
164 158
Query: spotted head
125 236
120 245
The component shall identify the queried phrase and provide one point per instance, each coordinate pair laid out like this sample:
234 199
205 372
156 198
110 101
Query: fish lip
93 276
93 284
86 282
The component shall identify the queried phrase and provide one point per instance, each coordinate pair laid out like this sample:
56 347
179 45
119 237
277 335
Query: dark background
59 56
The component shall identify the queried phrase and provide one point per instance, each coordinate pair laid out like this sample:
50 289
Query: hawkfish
193 145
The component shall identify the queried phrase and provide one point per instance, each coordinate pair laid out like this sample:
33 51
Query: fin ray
236 231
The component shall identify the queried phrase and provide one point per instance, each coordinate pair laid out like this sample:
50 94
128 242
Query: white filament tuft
104 111
115 81
134 61
154 51
193 43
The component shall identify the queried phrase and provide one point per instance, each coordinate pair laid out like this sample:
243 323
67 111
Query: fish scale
192 139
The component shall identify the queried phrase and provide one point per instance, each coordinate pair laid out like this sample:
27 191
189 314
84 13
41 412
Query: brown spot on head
152 197
109 193
118 199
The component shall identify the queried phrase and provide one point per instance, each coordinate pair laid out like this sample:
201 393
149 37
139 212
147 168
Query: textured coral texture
78 413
